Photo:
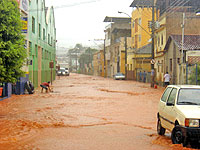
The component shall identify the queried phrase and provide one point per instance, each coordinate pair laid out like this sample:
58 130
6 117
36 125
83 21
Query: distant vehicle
179 113
63 72
119 76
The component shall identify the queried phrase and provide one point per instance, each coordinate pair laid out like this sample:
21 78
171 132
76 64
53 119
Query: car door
169 109
162 105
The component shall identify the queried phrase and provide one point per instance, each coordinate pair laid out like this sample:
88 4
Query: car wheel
160 129
177 136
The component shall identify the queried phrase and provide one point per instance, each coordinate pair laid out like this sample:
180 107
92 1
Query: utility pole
125 38
182 47
152 52
104 57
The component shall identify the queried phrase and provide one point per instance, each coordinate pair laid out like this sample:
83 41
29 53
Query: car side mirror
170 104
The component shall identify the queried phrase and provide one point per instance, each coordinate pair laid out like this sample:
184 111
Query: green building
41 42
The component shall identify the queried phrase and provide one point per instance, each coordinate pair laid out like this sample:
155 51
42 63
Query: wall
42 48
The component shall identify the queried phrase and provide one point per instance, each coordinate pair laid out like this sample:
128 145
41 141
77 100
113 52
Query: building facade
116 46
41 42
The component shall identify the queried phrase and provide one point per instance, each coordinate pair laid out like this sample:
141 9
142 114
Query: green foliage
87 57
12 51
192 77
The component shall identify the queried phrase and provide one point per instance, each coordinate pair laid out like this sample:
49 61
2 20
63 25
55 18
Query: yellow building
139 54
115 33
98 63
140 32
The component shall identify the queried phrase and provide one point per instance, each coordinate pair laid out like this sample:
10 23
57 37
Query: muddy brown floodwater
84 113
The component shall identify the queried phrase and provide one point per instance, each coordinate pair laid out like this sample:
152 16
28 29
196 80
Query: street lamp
120 12
152 35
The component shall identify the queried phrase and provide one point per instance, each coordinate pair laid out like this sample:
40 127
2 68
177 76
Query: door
169 110
39 65
162 105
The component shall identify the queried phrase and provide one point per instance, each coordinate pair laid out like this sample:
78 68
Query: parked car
63 72
179 113
67 71
119 76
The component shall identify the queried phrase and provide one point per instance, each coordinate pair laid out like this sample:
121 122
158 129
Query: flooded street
84 113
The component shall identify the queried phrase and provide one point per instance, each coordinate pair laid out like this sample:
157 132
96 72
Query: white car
179 113
63 72
119 76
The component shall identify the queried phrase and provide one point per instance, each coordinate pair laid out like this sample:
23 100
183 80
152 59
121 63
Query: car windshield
119 74
62 69
189 97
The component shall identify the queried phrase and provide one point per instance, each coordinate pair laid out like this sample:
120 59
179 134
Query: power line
69 5
175 8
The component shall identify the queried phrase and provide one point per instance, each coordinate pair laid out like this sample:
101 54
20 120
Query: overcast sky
81 21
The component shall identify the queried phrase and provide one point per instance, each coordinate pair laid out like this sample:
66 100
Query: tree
87 57
12 51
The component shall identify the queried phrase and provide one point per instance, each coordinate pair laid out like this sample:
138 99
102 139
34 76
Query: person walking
144 77
46 86
167 78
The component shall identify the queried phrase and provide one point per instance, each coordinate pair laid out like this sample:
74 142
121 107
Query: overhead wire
176 7
174 4
169 15
69 5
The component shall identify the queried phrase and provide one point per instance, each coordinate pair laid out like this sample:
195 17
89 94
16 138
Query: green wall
42 41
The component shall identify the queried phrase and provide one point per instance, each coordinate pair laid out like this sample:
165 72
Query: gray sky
81 21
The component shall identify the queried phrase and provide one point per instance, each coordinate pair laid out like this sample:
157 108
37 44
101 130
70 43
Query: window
33 24
42 52
165 94
178 60
184 56
162 39
133 40
158 66
172 96
30 48
170 65
44 34
136 38
140 21
140 38
136 25
39 31
48 38
36 50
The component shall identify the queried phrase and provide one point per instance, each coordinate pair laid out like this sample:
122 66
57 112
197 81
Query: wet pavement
84 113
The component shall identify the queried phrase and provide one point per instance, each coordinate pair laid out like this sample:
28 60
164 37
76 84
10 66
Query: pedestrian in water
167 78
144 76
46 86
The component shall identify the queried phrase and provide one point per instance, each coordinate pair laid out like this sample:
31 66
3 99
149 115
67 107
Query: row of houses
129 47
40 41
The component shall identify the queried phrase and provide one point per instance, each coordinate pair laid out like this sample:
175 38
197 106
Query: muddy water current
84 113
